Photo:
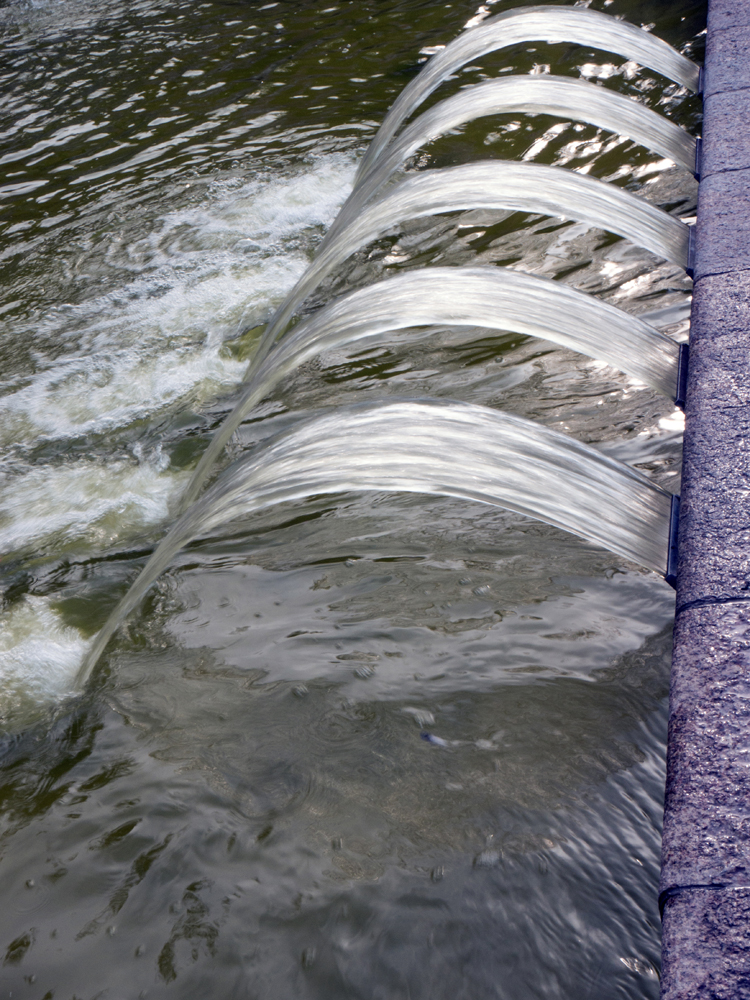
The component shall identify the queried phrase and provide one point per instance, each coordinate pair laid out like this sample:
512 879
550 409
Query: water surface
243 804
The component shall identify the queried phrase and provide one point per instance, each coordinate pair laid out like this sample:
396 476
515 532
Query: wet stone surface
727 68
707 835
715 508
706 841
725 113
706 949
723 235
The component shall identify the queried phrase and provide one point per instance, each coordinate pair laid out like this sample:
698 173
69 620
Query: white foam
154 344
271 209
39 657
115 386
674 422
208 271
85 505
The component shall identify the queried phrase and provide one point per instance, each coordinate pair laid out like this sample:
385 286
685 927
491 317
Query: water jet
236 776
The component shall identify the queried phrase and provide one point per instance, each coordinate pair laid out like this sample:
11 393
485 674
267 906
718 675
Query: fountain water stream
499 184
551 24
549 95
412 446
493 298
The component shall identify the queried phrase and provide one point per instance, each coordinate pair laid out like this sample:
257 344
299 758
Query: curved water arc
493 184
498 299
553 95
550 24
411 446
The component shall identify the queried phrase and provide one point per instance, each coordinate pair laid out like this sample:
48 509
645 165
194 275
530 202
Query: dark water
241 805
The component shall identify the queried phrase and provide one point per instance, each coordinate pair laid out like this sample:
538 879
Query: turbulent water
376 746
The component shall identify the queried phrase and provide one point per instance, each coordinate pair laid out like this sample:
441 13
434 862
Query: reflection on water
192 842
244 804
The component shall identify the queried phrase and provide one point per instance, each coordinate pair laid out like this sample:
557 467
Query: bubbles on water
209 272
96 394
83 505
280 206
39 657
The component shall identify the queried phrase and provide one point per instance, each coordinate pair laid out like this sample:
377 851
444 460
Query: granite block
727 14
714 535
727 67
726 133
723 226
706 837
706 945
705 879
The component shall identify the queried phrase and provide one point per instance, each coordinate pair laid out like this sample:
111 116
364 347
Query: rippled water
243 804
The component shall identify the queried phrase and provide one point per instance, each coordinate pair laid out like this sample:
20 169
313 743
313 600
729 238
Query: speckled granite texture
705 885
706 949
